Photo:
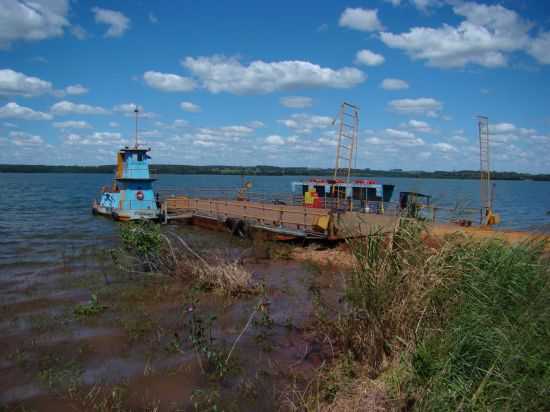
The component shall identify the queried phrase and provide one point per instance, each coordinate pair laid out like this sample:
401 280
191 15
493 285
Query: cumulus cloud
168 82
296 102
75 90
369 58
65 107
25 139
19 84
128 110
484 37
304 123
540 48
361 19
32 20
118 23
79 32
190 107
418 126
394 84
14 111
95 139
255 124
223 74
445 147
424 105
72 124
392 139
275 139
426 4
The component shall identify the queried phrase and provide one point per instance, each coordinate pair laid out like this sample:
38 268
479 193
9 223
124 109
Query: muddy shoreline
132 354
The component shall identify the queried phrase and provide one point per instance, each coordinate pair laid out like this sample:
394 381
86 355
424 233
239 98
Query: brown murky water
135 354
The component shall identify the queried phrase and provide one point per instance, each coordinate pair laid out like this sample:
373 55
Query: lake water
50 249
44 215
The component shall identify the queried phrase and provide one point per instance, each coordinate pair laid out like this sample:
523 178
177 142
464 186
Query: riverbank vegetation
262 170
176 318
431 325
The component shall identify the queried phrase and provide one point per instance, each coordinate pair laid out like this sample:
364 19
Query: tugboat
131 195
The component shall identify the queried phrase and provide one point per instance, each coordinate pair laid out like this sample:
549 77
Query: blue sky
246 83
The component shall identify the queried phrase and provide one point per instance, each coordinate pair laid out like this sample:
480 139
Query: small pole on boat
136 111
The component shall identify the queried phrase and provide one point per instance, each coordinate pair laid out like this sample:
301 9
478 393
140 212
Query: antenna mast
136 111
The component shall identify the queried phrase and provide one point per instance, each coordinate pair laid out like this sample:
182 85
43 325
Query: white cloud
190 107
394 84
128 110
152 18
399 134
424 105
255 124
64 108
14 111
95 139
113 124
168 82
32 20
76 89
296 102
540 48
72 124
394 3
361 19
419 126
15 83
25 139
391 139
369 58
236 130
79 32
484 37
304 123
118 23
425 4
222 74
275 139
445 147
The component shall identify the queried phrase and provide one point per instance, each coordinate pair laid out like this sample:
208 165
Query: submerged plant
91 308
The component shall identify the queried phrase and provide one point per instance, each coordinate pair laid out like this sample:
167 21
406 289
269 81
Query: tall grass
467 322
391 292
494 351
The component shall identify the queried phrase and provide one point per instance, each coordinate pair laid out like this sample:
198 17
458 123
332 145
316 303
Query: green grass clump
89 309
493 352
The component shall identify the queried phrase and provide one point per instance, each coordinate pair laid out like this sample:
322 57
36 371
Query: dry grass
218 272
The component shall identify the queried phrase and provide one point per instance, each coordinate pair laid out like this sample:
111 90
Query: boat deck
285 221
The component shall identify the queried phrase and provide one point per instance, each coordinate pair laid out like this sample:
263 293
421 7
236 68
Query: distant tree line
274 171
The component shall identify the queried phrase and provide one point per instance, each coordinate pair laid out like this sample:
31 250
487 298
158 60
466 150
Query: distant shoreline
274 171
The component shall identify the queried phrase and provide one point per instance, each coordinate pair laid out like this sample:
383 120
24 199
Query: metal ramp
488 217
484 167
346 147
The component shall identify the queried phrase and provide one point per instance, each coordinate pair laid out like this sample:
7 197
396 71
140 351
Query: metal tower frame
346 147
486 196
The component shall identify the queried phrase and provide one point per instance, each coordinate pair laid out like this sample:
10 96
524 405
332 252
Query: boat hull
123 215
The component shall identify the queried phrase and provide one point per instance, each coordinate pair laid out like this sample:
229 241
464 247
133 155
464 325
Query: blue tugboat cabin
131 196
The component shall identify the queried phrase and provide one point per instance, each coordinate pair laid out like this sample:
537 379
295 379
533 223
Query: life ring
139 195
